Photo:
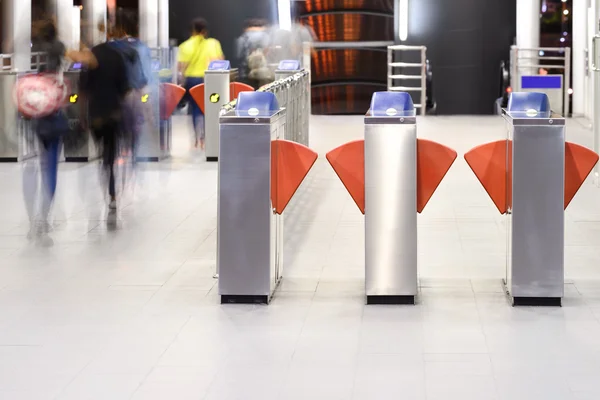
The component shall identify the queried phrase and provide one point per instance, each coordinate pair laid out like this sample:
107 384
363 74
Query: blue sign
541 82
76 66
219 65
289 65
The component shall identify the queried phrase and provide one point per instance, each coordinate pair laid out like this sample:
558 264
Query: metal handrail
391 76
404 47
38 59
518 62
293 94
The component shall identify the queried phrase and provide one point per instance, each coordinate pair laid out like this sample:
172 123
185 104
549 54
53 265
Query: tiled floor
131 311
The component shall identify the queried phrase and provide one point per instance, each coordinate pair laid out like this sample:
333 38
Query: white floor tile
128 309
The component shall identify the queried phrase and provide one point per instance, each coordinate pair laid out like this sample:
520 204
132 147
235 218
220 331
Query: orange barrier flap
290 162
433 162
235 88
348 162
492 165
579 162
172 95
197 93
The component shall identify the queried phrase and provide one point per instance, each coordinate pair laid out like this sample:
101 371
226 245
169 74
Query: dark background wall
344 78
225 18
466 40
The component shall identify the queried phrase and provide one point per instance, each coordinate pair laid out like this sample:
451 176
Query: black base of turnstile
391 299
244 299
537 301
147 159
532 301
77 159
9 159
212 159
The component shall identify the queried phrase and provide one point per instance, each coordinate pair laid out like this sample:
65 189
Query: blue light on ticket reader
528 102
289 65
219 65
256 104
391 103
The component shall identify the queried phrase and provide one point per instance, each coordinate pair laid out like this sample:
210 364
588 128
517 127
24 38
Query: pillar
76 38
163 23
596 83
580 75
149 22
16 25
63 9
94 14
528 23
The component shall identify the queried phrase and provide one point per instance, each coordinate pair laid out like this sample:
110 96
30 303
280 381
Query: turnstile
216 94
532 176
154 137
79 145
17 136
258 175
391 175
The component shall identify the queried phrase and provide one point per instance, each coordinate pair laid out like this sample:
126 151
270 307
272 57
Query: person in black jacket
104 84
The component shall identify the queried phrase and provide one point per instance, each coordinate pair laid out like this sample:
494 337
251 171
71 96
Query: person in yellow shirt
194 56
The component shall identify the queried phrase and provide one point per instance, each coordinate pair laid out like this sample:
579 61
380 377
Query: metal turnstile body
17 136
531 176
391 176
250 233
79 146
390 205
536 222
216 94
154 136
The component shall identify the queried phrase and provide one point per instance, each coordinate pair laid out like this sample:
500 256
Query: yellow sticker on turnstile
144 98
214 98
73 98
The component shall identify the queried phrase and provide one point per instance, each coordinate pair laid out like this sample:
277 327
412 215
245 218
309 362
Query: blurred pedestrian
251 45
195 54
39 181
302 33
104 85
138 64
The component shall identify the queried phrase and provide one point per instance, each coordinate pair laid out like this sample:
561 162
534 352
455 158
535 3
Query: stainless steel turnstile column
391 176
78 147
17 135
250 233
216 94
152 139
391 200
536 222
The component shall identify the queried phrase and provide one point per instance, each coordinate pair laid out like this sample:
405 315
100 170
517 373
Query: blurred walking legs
197 115
106 133
39 188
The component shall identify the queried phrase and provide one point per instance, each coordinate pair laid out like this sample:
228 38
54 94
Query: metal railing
166 59
293 94
393 78
37 60
531 60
